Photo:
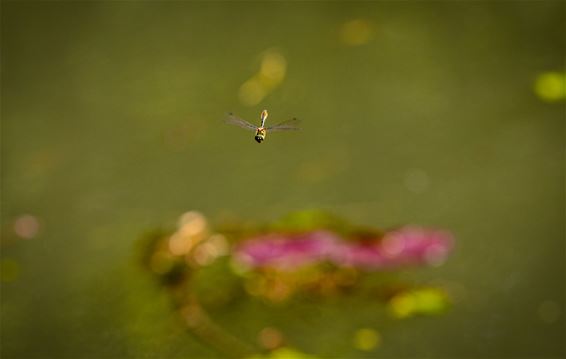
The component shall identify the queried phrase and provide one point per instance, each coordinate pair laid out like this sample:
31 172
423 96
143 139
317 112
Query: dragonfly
261 131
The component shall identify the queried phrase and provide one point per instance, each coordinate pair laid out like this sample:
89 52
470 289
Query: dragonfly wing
289 125
236 121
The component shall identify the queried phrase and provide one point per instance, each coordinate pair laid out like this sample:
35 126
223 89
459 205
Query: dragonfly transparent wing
289 125
236 121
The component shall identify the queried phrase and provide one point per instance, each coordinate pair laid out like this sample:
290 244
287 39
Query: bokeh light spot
430 300
551 86
270 338
356 32
271 73
427 301
435 255
204 254
402 306
367 339
220 244
273 67
252 92
26 226
192 228
179 245
192 223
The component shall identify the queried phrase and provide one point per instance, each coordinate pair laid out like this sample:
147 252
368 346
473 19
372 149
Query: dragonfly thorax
260 134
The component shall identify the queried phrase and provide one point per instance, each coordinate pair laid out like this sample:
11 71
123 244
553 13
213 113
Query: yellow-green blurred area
443 114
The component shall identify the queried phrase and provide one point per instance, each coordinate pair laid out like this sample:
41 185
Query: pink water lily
287 251
405 246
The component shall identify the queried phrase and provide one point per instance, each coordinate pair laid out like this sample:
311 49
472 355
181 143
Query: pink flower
405 246
286 251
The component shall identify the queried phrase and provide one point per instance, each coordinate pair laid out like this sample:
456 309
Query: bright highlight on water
261 131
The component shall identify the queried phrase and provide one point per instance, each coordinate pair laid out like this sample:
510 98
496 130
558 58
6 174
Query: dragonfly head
260 134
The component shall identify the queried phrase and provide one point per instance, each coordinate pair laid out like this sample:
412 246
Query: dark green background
111 125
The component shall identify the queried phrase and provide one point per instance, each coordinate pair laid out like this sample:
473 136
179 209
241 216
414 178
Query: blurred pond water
446 115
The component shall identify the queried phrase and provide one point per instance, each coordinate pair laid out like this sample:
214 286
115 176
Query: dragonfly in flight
261 131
